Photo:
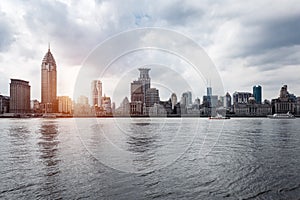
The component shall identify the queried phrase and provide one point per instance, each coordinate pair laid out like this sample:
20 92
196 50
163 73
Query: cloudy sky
255 42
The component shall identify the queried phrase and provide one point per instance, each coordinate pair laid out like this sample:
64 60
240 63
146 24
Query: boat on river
218 116
287 115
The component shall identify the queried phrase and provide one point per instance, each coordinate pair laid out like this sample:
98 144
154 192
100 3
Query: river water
160 158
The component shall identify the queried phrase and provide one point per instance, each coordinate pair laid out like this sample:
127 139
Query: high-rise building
65 104
186 98
152 97
227 101
145 80
106 104
137 91
49 84
96 91
257 93
19 96
209 91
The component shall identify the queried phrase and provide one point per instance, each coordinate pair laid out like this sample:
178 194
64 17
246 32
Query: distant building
136 108
35 106
227 101
157 110
173 100
298 106
221 101
19 96
82 107
286 102
113 107
83 100
257 93
49 84
186 98
145 80
4 104
137 91
241 97
124 109
107 104
96 91
209 91
172 107
197 101
252 109
152 97
209 104
64 104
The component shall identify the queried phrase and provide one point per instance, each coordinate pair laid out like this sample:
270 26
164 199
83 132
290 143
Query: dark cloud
268 35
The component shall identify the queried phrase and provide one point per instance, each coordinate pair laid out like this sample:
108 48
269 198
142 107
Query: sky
249 43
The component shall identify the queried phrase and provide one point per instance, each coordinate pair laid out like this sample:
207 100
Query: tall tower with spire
49 84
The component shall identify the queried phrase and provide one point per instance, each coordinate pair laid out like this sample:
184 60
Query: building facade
252 109
145 80
96 91
65 104
241 97
286 102
257 93
227 101
49 84
19 96
106 105
152 97
4 104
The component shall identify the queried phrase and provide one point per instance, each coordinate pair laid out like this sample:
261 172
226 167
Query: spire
48 46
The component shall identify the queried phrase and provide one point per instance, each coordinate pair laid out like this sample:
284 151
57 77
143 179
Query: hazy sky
254 42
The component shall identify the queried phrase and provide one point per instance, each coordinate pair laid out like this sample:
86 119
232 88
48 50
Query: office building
65 104
152 97
186 99
257 93
137 91
19 96
227 101
241 97
49 84
106 104
96 91
4 104
145 80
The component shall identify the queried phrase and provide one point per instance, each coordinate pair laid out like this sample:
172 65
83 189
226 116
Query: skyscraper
49 84
186 98
257 93
96 88
152 97
19 96
227 102
145 80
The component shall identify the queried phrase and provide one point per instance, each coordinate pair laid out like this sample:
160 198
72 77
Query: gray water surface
158 158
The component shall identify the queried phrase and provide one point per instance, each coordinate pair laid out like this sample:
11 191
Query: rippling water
149 159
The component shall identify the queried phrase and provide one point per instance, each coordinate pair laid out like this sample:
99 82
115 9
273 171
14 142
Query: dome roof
48 58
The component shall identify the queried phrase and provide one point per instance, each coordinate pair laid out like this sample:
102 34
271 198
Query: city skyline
228 38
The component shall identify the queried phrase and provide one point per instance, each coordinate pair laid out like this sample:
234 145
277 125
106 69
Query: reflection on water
142 143
48 147
48 159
